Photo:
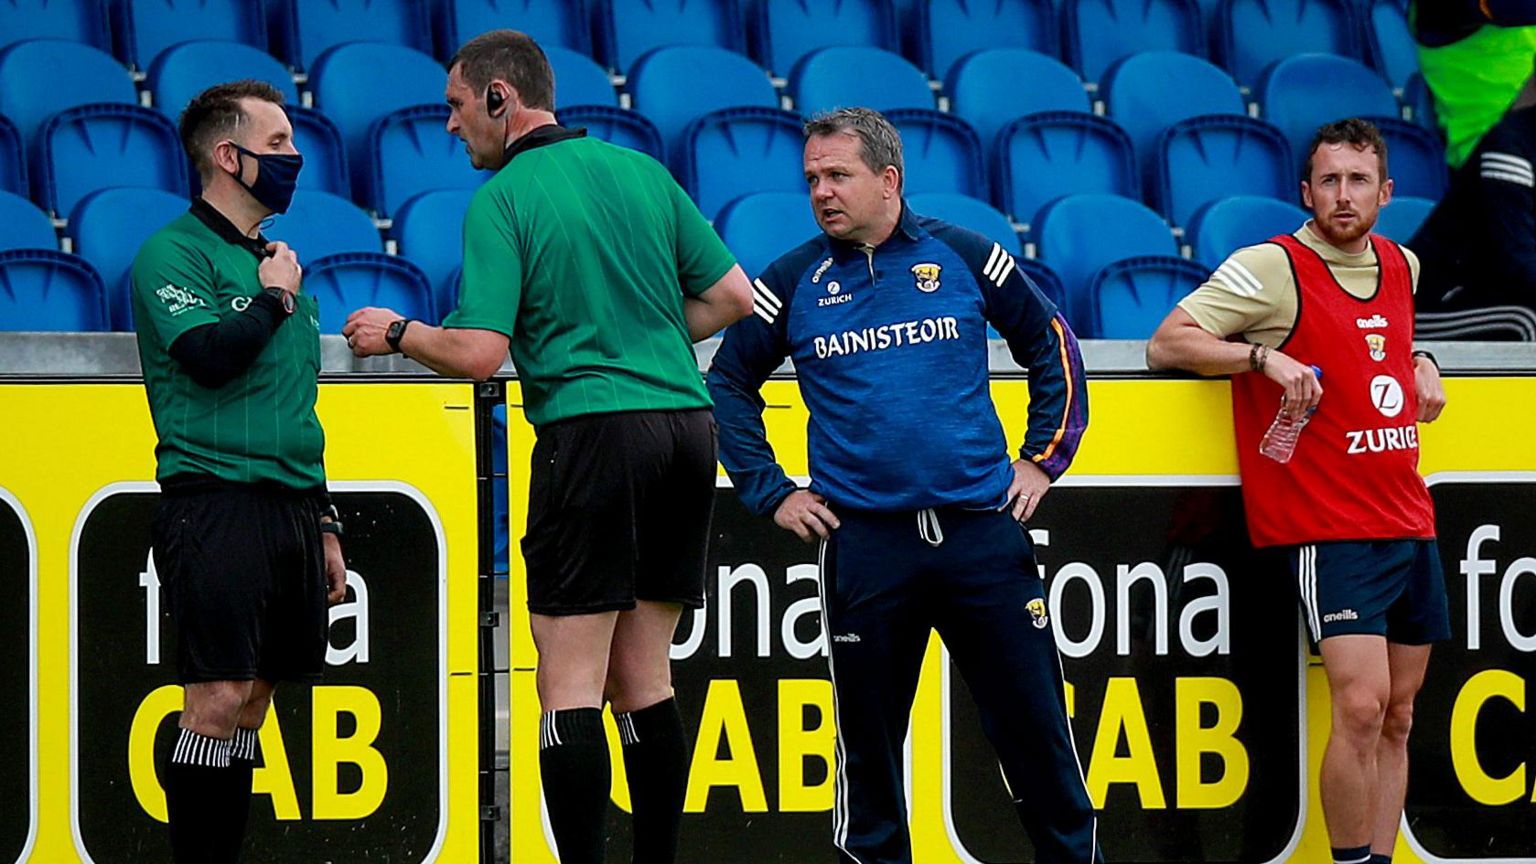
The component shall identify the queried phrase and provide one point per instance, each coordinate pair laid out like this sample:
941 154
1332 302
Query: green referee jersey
259 427
581 252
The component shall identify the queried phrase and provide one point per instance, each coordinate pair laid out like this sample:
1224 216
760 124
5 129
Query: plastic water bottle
1279 442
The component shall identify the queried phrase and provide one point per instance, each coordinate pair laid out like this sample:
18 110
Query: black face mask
277 175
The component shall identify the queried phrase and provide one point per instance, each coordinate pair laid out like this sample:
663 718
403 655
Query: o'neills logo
1375 322
886 336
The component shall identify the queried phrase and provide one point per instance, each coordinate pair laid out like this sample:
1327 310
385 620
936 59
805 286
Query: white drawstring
928 527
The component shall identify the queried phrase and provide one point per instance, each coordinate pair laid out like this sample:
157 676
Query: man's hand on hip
1029 485
806 514
365 330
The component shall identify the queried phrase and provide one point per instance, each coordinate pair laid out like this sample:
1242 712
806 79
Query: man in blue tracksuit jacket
912 493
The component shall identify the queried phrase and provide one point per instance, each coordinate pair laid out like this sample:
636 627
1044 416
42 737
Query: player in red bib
1349 508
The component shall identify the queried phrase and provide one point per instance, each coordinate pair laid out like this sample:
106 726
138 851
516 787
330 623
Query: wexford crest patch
1377 344
927 276
1036 609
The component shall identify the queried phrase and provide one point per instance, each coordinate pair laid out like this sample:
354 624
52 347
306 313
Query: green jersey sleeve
701 255
491 285
175 287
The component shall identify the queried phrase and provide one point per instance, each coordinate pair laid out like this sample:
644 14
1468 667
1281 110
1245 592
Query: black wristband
268 310
1430 357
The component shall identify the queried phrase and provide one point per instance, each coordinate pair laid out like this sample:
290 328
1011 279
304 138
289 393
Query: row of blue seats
714 117
1246 35
1109 262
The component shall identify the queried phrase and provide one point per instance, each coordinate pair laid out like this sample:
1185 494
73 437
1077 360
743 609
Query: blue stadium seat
82 21
411 154
616 126
101 146
145 28
318 224
346 282
1225 226
1099 32
949 30
1055 153
43 290
856 75
13 160
551 23
627 29
1253 34
1130 298
760 228
739 151
1204 159
23 226
1045 279
181 72
325 158
429 232
1402 216
357 85
941 151
1080 234
984 90
788 30
675 86
1421 103
1415 159
303 30
43 77
1392 48
1301 93
1149 92
967 212
579 80
107 229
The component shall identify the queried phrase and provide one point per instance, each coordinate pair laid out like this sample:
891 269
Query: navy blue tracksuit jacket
889 344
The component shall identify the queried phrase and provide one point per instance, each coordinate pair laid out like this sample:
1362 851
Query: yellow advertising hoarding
380 755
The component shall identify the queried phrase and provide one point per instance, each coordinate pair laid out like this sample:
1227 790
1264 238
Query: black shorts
618 511
243 571
1391 588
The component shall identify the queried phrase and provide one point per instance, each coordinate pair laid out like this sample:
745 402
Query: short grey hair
879 142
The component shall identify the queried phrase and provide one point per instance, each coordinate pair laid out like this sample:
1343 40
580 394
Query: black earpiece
494 102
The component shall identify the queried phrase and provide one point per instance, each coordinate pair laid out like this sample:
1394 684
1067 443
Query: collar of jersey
906 228
554 133
220 225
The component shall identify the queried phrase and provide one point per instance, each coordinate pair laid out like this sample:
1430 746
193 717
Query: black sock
1378 858
656 760
1352 854
573 763
195 783
242 762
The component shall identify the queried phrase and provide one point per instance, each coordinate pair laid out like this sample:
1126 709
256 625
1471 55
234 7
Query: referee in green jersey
600 272
245 541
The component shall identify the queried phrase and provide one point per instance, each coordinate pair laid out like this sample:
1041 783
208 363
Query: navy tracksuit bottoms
888 579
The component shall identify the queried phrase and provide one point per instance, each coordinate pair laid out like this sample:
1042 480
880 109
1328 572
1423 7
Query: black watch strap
396 332
282 297
1430 357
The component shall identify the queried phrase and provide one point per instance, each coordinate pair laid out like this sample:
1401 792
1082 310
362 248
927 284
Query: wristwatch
395 332
333 526
283 297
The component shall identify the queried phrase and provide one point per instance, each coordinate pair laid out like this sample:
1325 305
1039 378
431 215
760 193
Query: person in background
1349 507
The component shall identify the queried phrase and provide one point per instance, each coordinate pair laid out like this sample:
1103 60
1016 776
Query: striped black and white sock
197 783
194 749
573 764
